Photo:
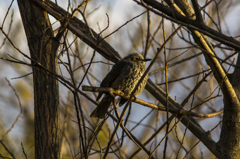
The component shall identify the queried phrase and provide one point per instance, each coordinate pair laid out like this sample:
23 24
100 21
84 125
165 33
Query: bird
123 76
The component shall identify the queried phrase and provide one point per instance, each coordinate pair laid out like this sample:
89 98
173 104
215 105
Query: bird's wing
112 75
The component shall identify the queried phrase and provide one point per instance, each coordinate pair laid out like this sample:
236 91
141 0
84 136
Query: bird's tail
102 108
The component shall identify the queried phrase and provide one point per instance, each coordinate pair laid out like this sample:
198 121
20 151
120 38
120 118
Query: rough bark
230 134
43 49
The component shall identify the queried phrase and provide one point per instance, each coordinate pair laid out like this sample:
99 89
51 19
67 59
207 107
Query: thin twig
24 151
181 111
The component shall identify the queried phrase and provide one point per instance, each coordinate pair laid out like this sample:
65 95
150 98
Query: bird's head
136 57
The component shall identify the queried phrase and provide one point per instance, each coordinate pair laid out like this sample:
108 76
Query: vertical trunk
43 49
230 134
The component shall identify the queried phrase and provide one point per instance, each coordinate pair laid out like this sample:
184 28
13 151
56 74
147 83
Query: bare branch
150 105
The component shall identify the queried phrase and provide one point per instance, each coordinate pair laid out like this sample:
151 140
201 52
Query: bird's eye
135 59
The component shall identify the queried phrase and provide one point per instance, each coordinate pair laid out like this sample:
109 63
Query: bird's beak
147 59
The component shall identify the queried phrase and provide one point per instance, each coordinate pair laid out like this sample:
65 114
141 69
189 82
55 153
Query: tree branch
192 24
79 28
181 111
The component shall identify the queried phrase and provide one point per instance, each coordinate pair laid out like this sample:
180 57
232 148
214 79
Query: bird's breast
128 79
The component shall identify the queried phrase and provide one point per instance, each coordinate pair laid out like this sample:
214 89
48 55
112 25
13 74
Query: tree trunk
230 134
43 49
